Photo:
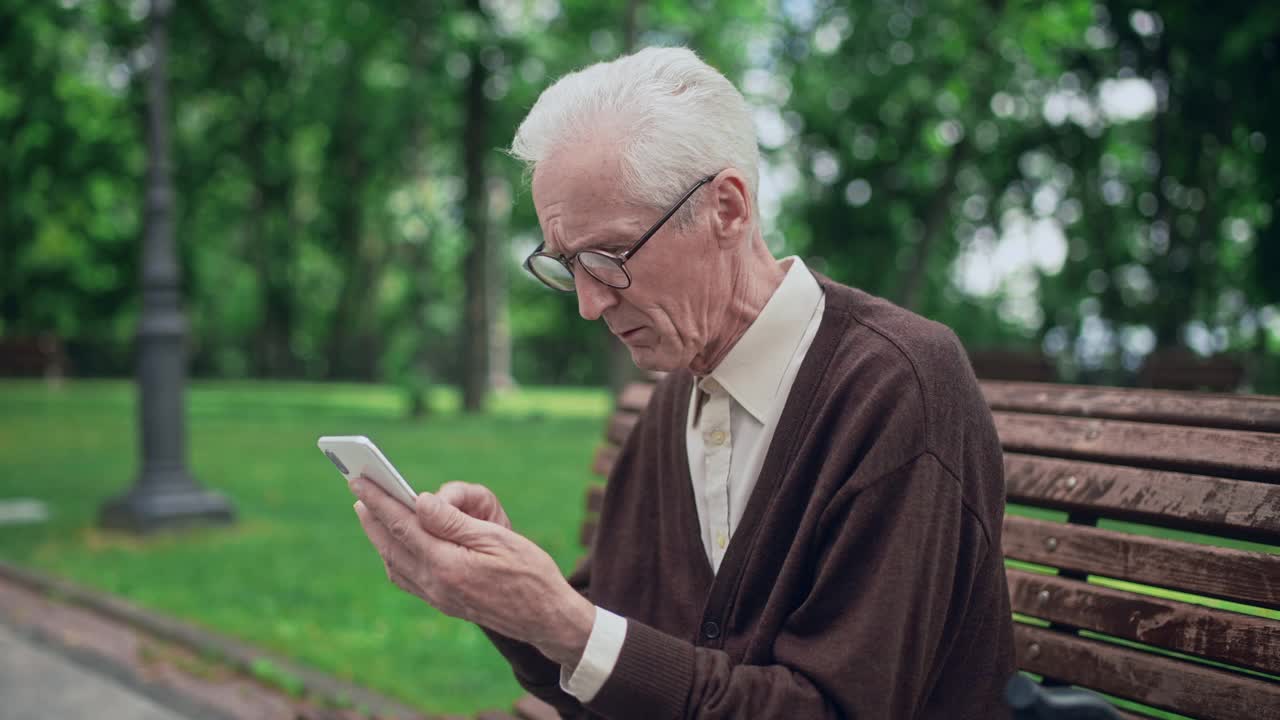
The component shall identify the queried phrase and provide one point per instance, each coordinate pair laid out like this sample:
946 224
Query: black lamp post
165 494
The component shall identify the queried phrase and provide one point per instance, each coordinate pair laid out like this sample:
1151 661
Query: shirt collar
755 365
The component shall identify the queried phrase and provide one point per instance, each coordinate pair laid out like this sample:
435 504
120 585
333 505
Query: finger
444 522
475 500
394 553
402 568
389 511
407 572
459 495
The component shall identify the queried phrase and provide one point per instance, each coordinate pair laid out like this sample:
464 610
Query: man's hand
476 569
477 501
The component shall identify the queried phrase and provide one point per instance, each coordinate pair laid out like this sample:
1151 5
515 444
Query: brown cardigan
865 579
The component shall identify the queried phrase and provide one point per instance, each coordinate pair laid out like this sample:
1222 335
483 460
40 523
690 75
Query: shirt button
710 630
717 437
722 540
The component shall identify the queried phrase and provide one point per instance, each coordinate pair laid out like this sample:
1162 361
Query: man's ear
731 201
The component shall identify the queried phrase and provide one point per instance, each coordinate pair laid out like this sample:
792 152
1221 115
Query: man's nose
594 297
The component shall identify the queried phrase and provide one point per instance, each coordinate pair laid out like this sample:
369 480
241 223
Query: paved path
37 683
92 658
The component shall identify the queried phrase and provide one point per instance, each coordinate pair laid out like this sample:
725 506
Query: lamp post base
171 503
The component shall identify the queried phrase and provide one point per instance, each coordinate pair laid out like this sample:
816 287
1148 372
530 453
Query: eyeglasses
556 271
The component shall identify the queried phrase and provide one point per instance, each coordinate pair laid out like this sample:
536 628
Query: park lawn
296 574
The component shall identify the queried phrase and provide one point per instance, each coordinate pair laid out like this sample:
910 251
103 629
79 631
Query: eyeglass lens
551 272
604 268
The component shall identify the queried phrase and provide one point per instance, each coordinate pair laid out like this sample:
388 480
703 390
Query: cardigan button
710 630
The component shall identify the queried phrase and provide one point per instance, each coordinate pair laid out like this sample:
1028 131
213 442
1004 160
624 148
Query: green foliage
935 146
960 158
69 169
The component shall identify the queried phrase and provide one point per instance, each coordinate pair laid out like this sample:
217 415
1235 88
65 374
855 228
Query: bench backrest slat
620 426
1260 413
635 397
1240 509
1225 453
1219 635
606 456
1162 682
1240 575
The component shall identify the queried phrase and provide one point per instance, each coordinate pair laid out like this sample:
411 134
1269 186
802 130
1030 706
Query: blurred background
1092 182
1084 191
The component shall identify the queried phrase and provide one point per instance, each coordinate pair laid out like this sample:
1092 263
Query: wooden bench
1133 514
38 356
1181 369
997 364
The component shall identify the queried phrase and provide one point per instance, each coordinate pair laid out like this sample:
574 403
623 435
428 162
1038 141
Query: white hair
678 120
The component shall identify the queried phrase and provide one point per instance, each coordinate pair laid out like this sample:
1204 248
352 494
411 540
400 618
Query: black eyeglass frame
619 259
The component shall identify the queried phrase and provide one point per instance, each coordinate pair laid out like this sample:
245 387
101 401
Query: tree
479 260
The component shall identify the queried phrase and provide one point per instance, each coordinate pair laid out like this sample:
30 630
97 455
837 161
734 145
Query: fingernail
354 484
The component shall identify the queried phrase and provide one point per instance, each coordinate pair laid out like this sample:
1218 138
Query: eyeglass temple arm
626 255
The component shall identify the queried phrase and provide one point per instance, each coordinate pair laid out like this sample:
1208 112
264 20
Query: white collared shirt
727 440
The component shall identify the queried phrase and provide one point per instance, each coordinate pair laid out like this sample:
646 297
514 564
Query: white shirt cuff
608 632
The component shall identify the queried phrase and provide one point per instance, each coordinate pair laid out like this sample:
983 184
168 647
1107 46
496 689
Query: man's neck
755 281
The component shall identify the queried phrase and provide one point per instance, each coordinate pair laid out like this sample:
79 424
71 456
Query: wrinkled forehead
591 172
577 193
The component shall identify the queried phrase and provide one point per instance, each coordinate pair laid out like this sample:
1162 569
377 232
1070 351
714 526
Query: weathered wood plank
1227 453
620 426
595 498
1158 681
1239 508
1228 637
1181 369
587 534
996 364
1248 577
635 396
1260 413
606 456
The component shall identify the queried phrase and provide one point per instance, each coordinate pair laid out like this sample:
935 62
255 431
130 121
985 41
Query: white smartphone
356 456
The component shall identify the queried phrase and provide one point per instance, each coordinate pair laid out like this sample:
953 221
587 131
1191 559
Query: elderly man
805 522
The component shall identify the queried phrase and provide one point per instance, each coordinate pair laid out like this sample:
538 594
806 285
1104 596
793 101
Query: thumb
443 520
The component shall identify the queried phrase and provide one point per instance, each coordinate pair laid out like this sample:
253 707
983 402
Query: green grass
296 574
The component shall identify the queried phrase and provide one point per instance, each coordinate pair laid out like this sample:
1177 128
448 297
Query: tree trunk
353 348
267 242
476 331
500 377
935 223
419 372
630 26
